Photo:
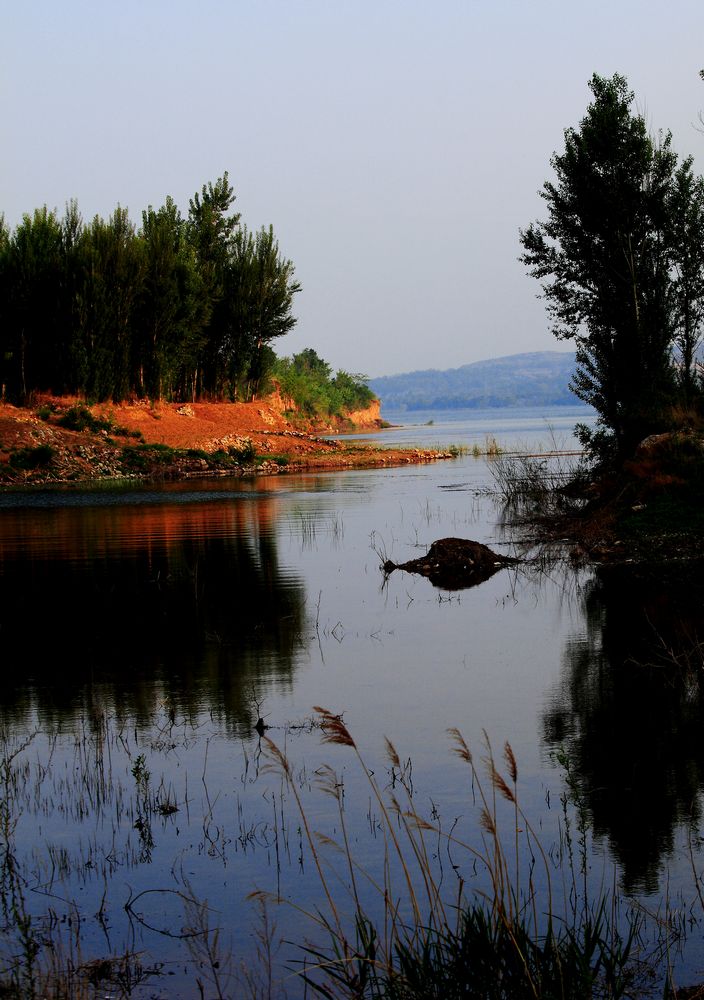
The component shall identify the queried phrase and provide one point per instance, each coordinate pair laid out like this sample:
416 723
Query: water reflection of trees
193 616
630 713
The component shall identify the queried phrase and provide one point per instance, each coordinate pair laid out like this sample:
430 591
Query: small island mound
454 563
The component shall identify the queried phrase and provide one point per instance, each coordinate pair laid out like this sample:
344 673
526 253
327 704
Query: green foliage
243 454
605 258
306 378
140 772
31 458
31 303
180 309
147 458
493 959
686 208
78 418
172 310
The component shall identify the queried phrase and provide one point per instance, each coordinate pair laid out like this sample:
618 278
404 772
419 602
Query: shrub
78 418
32 458
147 457
125 432
243 453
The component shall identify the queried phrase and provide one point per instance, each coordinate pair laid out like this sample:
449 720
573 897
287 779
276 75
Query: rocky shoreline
60 440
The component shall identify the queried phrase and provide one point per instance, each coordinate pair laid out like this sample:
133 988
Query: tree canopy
619 259
309 381
181 308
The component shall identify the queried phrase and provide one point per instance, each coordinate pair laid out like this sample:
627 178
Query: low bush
147 457
31 458
78 418
125 432
244 453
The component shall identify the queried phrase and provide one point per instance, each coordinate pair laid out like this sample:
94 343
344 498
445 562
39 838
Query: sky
395 146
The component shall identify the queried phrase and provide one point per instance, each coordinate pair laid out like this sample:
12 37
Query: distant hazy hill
538 379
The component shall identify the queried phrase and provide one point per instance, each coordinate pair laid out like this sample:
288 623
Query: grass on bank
652 504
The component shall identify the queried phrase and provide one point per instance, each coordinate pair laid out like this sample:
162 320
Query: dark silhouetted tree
211 228
687 246
32 280
182 309
172 311
603 259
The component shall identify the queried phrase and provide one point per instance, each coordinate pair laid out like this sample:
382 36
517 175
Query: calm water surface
145 630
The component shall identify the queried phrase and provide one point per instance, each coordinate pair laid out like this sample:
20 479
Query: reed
427 910
429 939
530 483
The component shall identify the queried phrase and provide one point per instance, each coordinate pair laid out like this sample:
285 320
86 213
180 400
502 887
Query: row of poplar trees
177 309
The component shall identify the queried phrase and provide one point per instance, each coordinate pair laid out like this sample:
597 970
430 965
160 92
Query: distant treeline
540 378
177 309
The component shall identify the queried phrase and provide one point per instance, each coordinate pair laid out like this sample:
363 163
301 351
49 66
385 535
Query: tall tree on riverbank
261 294
687 236
603 257
32 263
173 308
211 229
249 288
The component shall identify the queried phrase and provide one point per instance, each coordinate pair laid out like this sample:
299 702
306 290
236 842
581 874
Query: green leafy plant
78 418
309 381
32 458
140 772
243 453
147 458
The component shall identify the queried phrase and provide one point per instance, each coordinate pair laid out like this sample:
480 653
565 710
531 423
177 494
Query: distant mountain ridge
540 378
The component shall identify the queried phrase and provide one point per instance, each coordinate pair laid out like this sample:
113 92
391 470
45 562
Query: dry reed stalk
335 731
283 763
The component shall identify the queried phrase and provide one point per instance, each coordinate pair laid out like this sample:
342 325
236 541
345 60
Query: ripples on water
156 626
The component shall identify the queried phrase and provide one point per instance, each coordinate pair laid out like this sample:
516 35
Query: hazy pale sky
396 146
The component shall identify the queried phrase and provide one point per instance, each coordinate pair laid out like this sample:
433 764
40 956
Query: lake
145 630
